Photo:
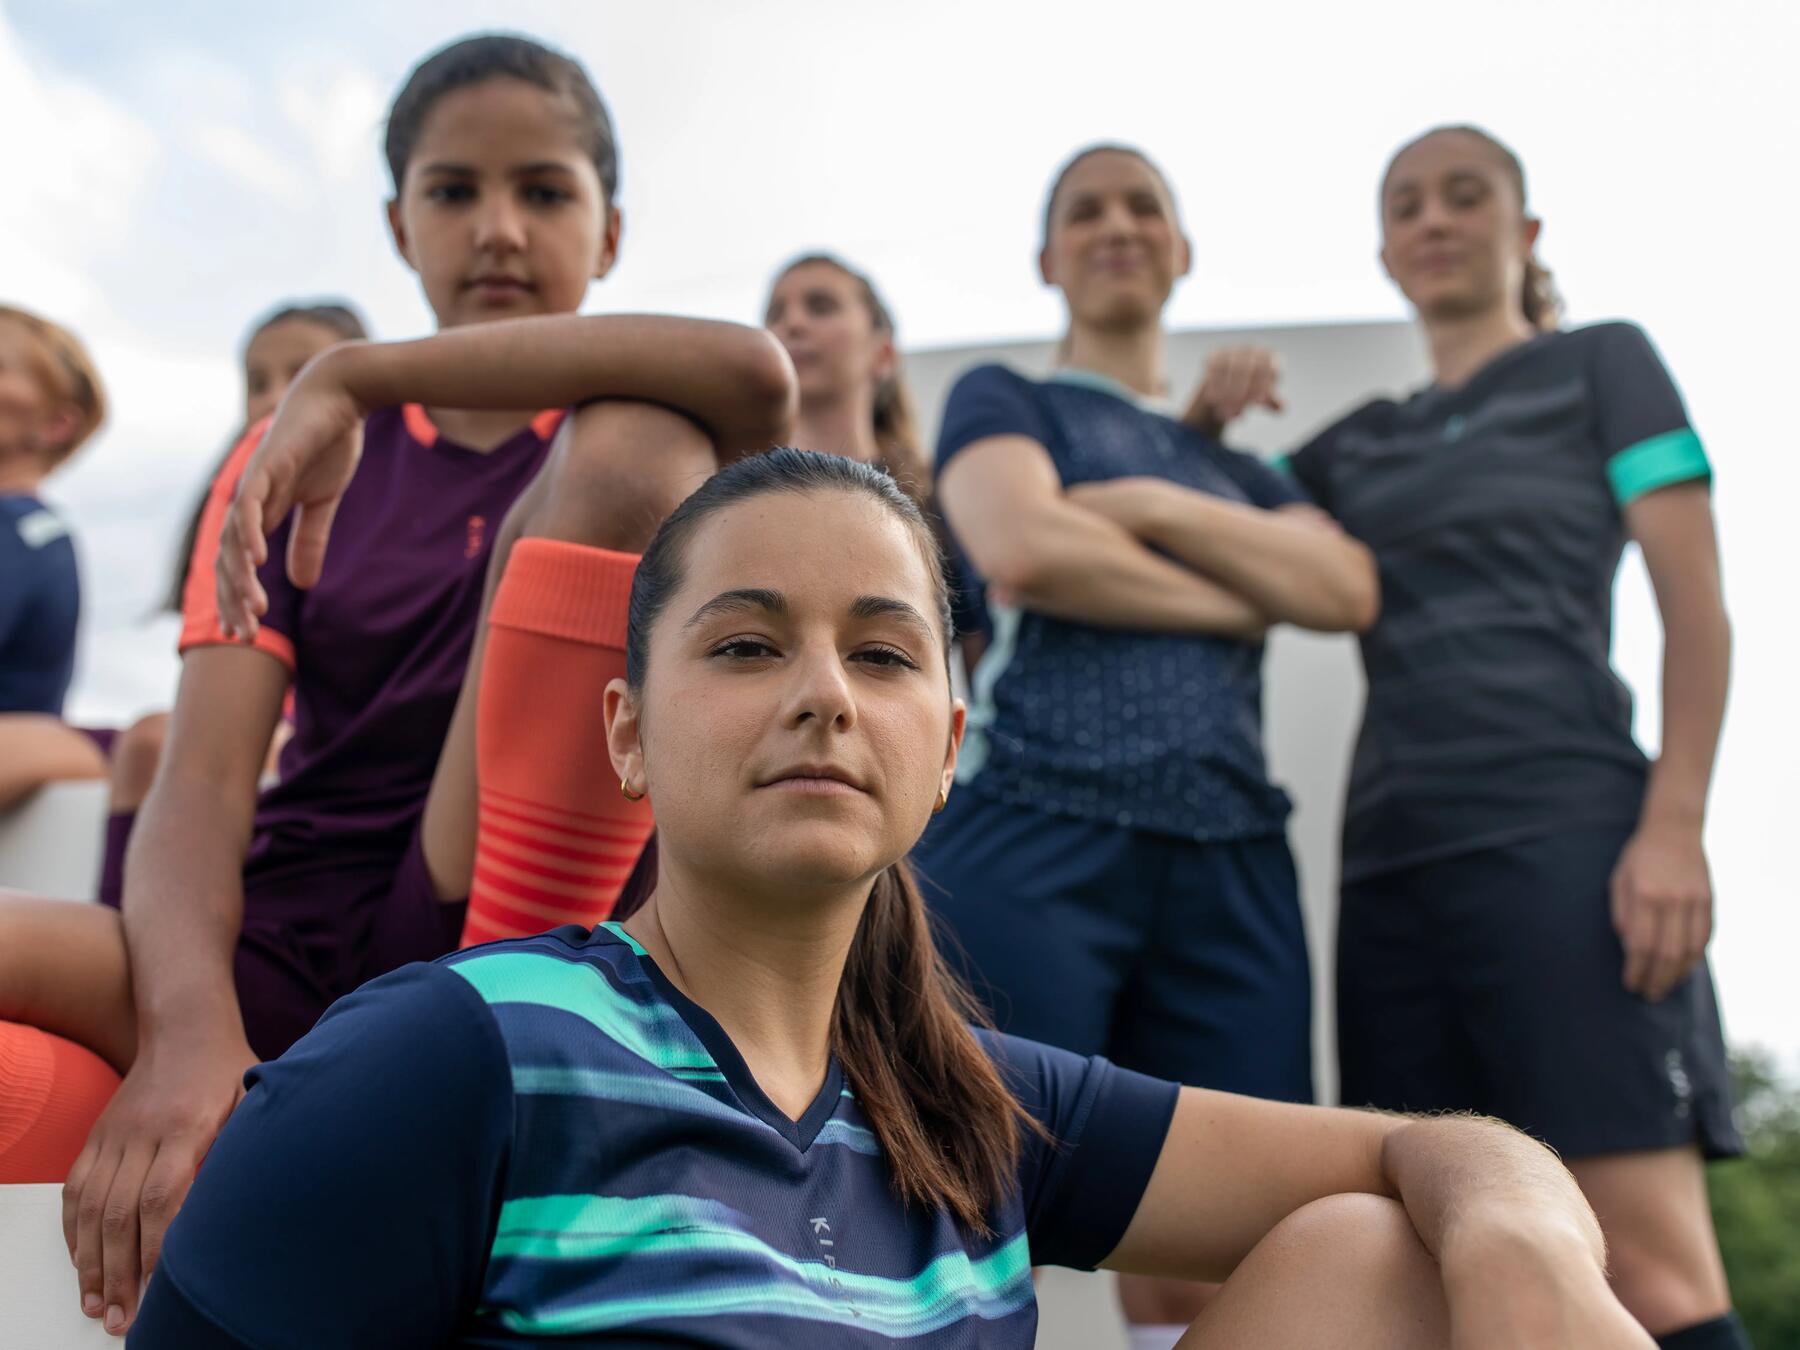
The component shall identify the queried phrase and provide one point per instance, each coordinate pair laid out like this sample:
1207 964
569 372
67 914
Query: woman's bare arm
1005 502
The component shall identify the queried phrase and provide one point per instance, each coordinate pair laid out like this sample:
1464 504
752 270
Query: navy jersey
1494 513
1156 731
40 607
544 1140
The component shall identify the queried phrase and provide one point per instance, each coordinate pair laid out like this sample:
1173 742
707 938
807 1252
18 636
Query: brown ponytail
1541 302
947 1124
948 1127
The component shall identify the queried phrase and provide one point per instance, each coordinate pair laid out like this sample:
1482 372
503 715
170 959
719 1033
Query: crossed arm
1091 554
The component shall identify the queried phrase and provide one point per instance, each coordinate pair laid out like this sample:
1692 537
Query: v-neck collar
800 1133
1489 371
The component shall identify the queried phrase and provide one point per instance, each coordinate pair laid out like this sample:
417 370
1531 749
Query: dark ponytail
1541 302
947 1125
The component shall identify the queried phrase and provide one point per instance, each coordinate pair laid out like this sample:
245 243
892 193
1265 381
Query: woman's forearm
184 906
1477 1190
735 381
1696 671
1089 570
1293 570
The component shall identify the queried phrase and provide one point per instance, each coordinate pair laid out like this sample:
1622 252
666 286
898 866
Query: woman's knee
617 474
135 755
1348 1270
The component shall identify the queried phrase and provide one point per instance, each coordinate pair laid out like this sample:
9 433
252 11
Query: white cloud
251 162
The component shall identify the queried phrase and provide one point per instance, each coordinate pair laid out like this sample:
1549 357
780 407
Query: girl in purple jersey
244 918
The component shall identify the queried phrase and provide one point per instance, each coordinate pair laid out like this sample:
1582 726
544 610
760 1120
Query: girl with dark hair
1115 865
755 1113
841 337
274 353
1526 903
245 917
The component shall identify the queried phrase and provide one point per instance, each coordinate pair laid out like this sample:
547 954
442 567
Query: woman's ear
959 716
886 362
624 734
397 228
1529 235
609 241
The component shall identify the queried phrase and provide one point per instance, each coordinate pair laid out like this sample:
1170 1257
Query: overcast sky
173 169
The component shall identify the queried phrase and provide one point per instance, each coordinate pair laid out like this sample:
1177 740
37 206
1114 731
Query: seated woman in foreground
755 1113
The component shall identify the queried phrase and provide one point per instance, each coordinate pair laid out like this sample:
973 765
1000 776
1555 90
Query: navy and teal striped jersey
1494 511
1151 731
545 1140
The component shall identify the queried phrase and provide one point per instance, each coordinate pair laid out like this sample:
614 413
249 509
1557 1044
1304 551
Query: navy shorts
1182 960
1490 982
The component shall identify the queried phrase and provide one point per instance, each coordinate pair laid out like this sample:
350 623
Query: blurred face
34 415
1454 236
275 355
1115 248
819 314
501 213
796 724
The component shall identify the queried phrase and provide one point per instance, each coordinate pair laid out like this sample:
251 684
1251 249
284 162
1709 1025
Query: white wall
1314 685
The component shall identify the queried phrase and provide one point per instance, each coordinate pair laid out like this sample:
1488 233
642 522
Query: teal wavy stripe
850 1136
1673 457
654 1032
1283 464
585 1227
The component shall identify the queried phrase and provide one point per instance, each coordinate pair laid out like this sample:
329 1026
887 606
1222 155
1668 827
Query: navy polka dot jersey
1152 731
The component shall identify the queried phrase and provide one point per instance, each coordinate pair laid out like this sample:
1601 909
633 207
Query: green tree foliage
1756 1205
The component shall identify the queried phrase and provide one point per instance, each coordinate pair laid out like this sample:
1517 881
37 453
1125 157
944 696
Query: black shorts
1490 982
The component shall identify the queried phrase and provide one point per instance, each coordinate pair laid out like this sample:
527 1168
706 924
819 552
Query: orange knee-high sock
51 1093
556 841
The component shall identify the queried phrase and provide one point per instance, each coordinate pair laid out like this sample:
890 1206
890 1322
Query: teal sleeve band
1673 457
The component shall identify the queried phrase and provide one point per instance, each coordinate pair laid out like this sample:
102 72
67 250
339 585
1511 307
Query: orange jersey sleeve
199 598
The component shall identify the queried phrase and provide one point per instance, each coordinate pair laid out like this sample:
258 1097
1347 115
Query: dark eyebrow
541 166
457 170
736 602
886 607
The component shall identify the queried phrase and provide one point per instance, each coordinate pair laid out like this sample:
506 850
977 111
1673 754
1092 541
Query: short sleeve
1309 467
1640 421
989 401
1262 484
1081 1187
351 1198
199 598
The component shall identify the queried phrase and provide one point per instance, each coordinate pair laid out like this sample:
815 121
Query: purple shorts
309 940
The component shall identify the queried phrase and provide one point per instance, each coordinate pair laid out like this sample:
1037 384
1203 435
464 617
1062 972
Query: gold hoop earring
626 792
943 800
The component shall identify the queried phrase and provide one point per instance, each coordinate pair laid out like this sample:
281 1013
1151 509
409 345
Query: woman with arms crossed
1526 903
1115 865
754 1113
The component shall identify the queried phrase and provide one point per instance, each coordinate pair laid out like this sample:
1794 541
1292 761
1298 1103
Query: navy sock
1722 1333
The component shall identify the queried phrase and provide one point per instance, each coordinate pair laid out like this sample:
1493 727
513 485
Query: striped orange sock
51 1093
556 842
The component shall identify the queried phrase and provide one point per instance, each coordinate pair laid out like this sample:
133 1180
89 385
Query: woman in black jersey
1526 903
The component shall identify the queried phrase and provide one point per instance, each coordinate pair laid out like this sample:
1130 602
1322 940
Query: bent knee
1368 1230
622 469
